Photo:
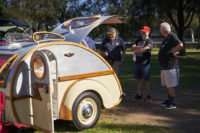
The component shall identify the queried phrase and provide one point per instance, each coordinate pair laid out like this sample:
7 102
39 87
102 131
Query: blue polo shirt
113 48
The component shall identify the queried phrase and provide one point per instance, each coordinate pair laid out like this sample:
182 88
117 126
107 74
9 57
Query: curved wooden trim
87 75
46 32
120 87
15 57
69 21
35 65
6 63
63 100
118 102
65 113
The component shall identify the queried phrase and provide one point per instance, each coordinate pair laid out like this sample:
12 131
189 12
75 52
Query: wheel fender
89 85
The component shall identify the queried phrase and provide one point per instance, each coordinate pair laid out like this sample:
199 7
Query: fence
188 44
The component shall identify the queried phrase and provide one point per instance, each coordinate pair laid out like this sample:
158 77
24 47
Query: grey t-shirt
144 58
166 58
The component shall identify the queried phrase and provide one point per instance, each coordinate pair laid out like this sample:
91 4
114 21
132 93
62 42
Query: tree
1 8
179 12
42 15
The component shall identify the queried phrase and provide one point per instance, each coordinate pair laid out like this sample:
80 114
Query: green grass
189 70
105 126
110 127
189 84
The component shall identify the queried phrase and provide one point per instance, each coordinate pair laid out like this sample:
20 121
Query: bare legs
171 91
139 85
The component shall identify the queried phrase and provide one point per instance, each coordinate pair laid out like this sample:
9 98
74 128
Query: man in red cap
142 54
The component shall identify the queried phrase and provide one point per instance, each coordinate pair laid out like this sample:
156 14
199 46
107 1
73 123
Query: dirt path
184 119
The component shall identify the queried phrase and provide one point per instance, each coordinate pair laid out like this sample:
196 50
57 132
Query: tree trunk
181 29
198 47
181 37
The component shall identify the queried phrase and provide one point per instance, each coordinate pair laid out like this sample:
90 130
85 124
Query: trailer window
6 62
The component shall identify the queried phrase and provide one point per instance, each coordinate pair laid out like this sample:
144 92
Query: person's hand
140 50
133 48
122 61
105 54
175 53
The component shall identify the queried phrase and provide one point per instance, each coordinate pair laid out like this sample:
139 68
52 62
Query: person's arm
123 56
178 46
105 54
123 48
148 47
142 50
133 47
177 49
103 50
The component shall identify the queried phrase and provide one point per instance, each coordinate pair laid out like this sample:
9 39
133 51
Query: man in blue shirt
111 49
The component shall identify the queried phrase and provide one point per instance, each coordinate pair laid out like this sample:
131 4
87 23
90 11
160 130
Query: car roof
15 22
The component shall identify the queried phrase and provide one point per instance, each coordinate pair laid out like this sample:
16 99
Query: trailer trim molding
87 75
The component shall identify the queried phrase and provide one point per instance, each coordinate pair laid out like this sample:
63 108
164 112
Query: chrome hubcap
87 111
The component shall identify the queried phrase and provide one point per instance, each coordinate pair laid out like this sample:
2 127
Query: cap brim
110 32
144 30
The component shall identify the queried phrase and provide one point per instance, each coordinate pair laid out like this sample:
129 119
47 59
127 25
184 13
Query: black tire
84 104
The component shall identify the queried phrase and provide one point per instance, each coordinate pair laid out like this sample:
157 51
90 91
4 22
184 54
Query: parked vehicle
54 76
10 28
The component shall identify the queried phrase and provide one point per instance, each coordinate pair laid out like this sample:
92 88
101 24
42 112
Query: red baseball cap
145 29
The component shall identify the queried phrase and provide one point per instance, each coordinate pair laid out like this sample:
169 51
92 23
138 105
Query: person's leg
171 95
171 91
139 85
163 83
138 76
146 75
172 80
147 84
115 66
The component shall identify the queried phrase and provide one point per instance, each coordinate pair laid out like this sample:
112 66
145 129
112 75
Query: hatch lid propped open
75 30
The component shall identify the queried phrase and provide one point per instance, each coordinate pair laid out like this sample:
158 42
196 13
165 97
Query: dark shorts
142 71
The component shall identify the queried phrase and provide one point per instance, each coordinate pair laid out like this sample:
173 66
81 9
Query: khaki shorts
170 78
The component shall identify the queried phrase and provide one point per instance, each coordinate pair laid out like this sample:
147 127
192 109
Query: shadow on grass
60 126
64 126
187 93
101 127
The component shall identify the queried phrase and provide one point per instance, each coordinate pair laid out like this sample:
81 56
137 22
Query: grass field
189 85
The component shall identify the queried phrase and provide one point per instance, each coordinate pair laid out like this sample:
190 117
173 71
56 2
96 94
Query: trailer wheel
86 110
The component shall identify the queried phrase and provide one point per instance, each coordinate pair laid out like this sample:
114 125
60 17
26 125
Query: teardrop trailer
54 77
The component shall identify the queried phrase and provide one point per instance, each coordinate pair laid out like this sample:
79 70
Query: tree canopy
46 14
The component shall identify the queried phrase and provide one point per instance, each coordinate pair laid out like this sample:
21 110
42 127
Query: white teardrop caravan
56 77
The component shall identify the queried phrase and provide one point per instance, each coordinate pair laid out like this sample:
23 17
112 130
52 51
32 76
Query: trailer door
42 111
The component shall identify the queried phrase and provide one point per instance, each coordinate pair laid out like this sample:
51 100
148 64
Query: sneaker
137 97
170 106
149 99
165 103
